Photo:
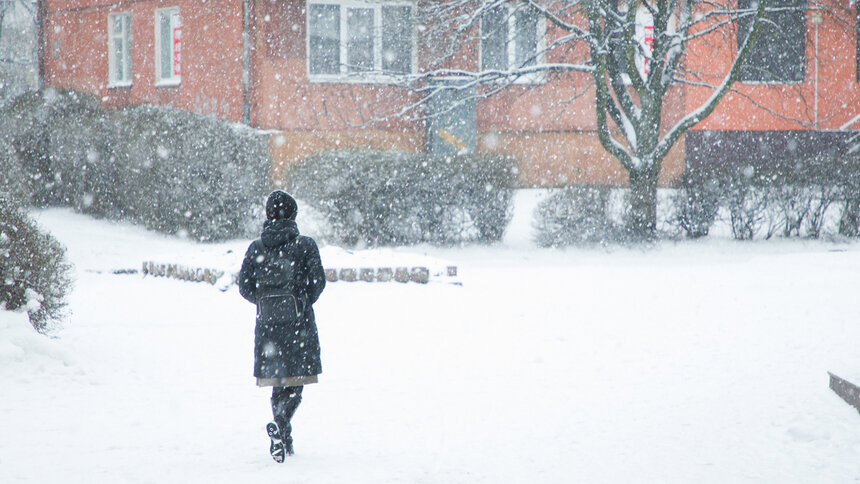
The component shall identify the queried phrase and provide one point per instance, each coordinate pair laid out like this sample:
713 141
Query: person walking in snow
283 275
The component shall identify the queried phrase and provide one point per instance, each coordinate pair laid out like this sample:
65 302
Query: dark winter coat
283 275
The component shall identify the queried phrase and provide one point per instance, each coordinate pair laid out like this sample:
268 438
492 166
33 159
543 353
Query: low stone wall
420 274
381 274
183 273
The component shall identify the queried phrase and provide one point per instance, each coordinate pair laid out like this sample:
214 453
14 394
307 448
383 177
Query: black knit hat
281 205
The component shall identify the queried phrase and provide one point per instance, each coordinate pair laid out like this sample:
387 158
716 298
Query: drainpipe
246 62
816 20
40 48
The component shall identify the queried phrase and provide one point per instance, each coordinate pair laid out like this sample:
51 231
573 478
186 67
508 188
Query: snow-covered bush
80 141
576 215
12 182
26 125
795 197
57 136
35 275
849 201
849 221
188 174
748 208
392 198
164 168
696 203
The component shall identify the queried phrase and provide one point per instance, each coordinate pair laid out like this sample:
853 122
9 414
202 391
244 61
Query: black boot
286 430
287 438
285 401
277 448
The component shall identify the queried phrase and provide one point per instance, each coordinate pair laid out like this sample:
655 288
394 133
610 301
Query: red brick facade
76 53
246 61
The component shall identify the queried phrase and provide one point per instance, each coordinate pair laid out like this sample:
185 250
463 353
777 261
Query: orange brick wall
76 53
562 157
549 126
753 106
285 99
290 147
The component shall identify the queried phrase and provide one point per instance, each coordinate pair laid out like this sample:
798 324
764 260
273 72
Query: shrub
792 197
167 169
34 273
391 198
574 216
849 185
26 125
189 174
79 152
791 206
696 203
746 203
13 186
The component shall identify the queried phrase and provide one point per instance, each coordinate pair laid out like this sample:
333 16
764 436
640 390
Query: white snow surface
692 362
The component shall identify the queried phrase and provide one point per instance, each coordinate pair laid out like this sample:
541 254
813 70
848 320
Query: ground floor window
119 49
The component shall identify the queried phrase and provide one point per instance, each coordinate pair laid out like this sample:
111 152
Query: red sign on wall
177 45
644 34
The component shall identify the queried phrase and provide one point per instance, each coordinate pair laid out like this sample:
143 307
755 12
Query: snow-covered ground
696 362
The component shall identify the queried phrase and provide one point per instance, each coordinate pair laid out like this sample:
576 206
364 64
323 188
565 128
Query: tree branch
708 107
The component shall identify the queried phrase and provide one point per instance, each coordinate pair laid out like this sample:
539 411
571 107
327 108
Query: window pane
397 39
126 52
526 40
788 62
494 40
115 25
359 39
118 60
779 52
324 42
166 40
119 48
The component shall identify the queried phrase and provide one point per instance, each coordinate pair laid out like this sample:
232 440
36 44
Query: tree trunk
642 220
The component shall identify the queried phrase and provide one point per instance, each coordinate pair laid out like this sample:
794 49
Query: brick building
309 71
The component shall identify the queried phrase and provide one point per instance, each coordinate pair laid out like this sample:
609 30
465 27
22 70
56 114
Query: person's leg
285 401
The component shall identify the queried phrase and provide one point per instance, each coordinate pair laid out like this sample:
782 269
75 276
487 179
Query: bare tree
632 76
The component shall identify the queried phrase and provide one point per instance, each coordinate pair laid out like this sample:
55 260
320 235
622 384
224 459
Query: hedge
167 169
391 198
783 197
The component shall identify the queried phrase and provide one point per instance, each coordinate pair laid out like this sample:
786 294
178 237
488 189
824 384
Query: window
643 46
778 55
357 37
119 49
510 37
168 47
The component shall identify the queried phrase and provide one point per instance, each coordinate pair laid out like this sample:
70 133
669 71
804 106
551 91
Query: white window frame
175 77
345 75
511 47
123 56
